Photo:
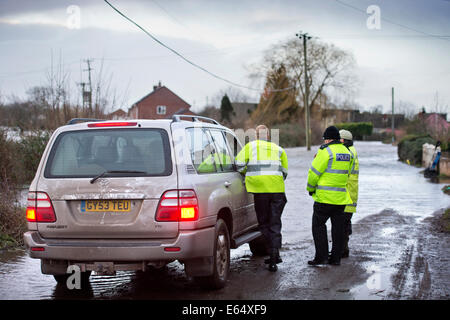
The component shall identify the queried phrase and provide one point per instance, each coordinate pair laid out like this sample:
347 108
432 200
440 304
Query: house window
161 110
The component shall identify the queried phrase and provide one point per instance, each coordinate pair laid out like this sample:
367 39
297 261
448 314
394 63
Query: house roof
156 89
117 112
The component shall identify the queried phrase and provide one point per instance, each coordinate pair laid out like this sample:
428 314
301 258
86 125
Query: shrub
12 217
410 148
31 147
358 129
293 134
8 160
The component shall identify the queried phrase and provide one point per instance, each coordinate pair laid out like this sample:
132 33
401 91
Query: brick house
161 103
117 115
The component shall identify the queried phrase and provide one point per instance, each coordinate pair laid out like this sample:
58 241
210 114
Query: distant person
265 166
327 184
433 168
436 157
352 188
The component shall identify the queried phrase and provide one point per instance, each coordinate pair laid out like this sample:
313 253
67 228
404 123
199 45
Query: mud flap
199 267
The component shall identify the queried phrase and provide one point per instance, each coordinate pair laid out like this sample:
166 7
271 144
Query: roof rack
77 120
176 118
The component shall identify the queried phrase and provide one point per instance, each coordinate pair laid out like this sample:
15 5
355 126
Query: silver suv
123 195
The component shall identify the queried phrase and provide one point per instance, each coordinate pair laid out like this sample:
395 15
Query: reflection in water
384 183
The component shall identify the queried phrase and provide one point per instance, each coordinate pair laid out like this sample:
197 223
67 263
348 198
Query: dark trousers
269 207
323 212
347 230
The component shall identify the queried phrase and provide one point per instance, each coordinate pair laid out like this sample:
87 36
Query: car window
88 153
233 143
202 150
223 154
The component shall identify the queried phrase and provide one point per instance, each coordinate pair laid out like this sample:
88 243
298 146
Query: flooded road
394 254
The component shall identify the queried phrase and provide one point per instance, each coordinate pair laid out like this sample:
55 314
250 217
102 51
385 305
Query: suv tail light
40 208
177 205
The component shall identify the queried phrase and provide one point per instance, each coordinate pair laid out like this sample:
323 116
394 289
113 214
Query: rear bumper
192 244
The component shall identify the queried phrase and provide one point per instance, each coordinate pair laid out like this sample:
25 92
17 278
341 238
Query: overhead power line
395 23
189 61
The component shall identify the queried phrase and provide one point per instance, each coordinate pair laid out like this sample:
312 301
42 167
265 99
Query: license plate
105 205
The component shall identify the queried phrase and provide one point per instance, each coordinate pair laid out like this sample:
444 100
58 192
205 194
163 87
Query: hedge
410 148
358 129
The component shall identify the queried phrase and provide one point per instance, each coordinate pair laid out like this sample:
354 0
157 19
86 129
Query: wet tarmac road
393 254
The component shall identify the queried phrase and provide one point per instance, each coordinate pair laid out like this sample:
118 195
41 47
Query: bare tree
329 68
233 93
106 97
438 105
407 108
56 94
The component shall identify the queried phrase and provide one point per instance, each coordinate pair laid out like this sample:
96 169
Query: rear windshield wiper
114 171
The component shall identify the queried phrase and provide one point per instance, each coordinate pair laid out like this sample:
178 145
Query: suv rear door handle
227 184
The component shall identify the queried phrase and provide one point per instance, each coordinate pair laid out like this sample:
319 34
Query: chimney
158 86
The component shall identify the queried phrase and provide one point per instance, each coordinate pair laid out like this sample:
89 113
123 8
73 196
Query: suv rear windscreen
88 153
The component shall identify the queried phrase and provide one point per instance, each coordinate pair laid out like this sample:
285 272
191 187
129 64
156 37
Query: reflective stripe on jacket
352 184
329 173
265 166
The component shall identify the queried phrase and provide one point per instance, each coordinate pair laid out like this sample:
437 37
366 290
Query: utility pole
84 95
305 37
393 117
88 94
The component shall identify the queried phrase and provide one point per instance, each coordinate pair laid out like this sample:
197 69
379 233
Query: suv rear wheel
221 259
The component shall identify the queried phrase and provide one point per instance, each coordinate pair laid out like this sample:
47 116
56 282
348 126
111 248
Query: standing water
385 183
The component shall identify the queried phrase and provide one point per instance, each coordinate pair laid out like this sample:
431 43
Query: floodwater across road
394 252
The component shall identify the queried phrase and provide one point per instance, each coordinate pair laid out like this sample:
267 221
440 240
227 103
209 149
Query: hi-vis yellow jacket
329 172
210 164
352 184
265 166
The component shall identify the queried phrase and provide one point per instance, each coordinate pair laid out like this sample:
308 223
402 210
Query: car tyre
221 259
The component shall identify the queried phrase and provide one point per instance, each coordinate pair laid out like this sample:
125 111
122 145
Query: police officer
352 187
327 184
265 166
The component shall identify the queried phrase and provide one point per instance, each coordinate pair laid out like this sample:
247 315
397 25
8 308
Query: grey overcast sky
410 51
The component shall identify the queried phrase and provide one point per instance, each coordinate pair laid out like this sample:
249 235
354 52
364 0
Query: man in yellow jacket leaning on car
265 166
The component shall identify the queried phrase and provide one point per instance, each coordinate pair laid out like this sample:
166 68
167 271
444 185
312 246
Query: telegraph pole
393 117
305 37
88 94
84 95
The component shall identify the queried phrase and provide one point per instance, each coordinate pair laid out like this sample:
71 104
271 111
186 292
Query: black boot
274 256
316 262
278 260
345 254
